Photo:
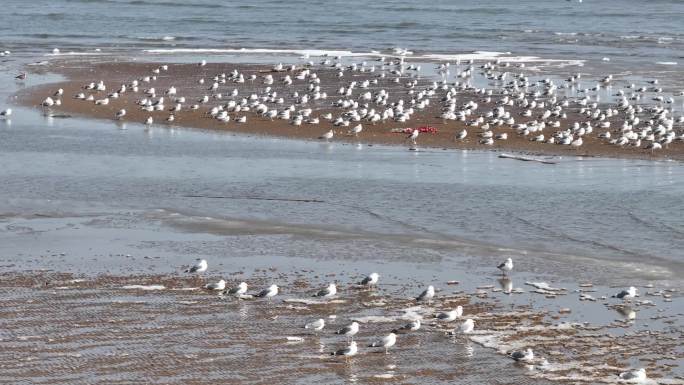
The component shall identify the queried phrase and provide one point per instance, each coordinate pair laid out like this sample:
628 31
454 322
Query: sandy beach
185 78
296 193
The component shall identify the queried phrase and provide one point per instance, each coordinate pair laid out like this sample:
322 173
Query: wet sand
165 329
185 78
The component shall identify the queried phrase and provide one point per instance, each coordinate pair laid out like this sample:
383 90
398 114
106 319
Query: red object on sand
422 130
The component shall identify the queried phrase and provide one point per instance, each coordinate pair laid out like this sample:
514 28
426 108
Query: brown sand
185 78
99 330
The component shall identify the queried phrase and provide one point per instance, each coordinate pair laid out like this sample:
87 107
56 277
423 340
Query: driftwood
525 158
254 198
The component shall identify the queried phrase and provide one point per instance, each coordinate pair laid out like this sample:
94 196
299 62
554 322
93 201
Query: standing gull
634 375
316 325
386 342
506 266
426 295
450 316
349 351
520 355
349 330
467 327
220 285
327 136
269 292
200 267
327 292
409 327
371 280
626 294
413 136
238 290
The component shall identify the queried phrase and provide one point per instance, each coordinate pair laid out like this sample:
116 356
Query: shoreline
184 77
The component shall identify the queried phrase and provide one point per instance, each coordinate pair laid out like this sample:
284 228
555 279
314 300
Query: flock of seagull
541 111
464 326
538 110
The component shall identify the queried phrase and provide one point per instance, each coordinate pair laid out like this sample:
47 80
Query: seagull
467 326
316 325
349 351
48 102
200 267
506 266
269 292
450 316
413 136
357 130
371 280
525 356
149 121
409 327
238 290
461 135
327 136
426 295
349 330
634 375
386 342
120 114
21 76
327 292
626 294
220 285
6 113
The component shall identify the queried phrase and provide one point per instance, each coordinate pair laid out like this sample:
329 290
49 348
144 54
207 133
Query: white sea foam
477 55
667 63
73 53
143 287
301 52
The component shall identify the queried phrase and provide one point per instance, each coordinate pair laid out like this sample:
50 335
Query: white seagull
467 327
220 285
523 355
6 113
634 375
349 330
327 292
120 114
413 136
450 316
386 342
349 351
427 294
269 292
238 290
327 136
626 294
316 325
371 280
409 327
506 266
357 130
200 267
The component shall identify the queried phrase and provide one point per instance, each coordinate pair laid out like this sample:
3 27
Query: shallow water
632 33
86 197
451 203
